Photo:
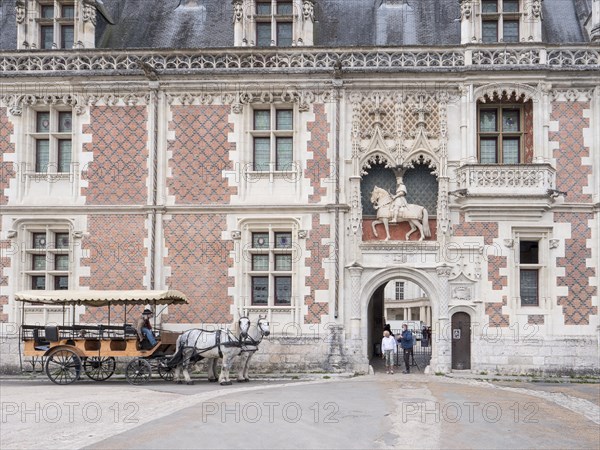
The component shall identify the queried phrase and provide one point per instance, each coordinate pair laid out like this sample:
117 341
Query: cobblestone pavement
378 411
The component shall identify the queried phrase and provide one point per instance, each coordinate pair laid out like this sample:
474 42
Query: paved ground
378 411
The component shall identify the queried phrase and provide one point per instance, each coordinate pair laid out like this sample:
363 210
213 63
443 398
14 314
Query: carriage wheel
166 373
63 366
138 371
99 368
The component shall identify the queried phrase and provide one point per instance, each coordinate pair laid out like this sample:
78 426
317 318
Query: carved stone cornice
572 94
79 102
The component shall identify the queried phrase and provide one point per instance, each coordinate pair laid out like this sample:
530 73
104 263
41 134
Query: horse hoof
212 380
246 380
179 382
189 383
241 381
226 383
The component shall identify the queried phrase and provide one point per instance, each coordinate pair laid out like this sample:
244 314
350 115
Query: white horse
250 346
415 215
194 345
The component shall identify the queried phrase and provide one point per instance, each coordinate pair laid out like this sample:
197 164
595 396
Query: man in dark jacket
406 342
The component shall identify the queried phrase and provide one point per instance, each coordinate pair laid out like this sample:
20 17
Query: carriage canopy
102 298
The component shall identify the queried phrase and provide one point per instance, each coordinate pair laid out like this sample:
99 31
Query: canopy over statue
394 209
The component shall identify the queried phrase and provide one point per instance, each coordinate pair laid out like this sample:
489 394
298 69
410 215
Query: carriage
67 350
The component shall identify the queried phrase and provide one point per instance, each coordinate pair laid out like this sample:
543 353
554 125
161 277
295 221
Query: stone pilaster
442 340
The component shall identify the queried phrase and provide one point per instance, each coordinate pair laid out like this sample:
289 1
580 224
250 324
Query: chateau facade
244 152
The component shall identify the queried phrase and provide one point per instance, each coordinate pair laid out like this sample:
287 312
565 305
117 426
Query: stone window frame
57 22
273 134
49 250
54 135
500 134
542 236
250 228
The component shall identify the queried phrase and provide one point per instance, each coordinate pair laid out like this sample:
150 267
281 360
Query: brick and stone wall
199 154
319 169
116 258
118 173
320 253
7 169
198 260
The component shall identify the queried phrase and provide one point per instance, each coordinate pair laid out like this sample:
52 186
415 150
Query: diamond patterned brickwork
200 155
119 170
571 173
117 258
320 254
494 311
318 169
489 231
577 305
6 168
535 319
199 260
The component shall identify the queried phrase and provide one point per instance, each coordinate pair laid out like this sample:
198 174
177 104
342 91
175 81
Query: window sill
39 176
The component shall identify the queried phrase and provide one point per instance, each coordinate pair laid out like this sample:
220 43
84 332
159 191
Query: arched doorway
461 341
373 305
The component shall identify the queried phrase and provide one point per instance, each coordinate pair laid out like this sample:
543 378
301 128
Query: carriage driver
399 201
144 328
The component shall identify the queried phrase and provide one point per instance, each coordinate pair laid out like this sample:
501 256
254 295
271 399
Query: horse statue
394 210
196 344
250 346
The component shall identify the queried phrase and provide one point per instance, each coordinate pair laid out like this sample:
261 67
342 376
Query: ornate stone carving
554 243
509 243
461 293
534 9
444 271
394 209
88 13
308 10
238 11
235 235
466 9
20 11
302 234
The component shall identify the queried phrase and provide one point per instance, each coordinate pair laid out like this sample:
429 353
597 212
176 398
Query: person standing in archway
406 342
388 347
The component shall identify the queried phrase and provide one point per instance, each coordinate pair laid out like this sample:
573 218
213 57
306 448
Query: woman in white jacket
388 347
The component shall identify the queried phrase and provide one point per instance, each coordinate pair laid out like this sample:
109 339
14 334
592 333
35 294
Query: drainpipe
154 87
337 84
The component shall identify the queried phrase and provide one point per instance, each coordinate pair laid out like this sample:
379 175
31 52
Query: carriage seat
39 343
51 333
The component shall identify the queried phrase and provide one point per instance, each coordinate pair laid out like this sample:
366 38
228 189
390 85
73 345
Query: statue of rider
399 200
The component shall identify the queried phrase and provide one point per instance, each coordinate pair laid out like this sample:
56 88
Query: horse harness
233 342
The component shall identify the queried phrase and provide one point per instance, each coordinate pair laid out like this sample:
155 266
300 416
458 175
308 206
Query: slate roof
339 23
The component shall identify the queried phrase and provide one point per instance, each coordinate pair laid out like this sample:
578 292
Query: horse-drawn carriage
68 350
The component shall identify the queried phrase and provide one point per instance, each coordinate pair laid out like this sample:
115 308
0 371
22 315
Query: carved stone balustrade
303 59
507 180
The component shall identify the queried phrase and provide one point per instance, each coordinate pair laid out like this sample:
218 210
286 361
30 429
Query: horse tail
426 229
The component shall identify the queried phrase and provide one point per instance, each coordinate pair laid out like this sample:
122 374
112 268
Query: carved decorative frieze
79 102
572 94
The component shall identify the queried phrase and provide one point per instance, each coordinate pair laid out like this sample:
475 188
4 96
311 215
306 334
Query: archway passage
393 304
461 341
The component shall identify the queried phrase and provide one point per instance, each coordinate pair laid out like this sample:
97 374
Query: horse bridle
250 340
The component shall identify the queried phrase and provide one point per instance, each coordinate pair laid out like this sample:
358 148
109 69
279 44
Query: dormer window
56 25
274 23
500 21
